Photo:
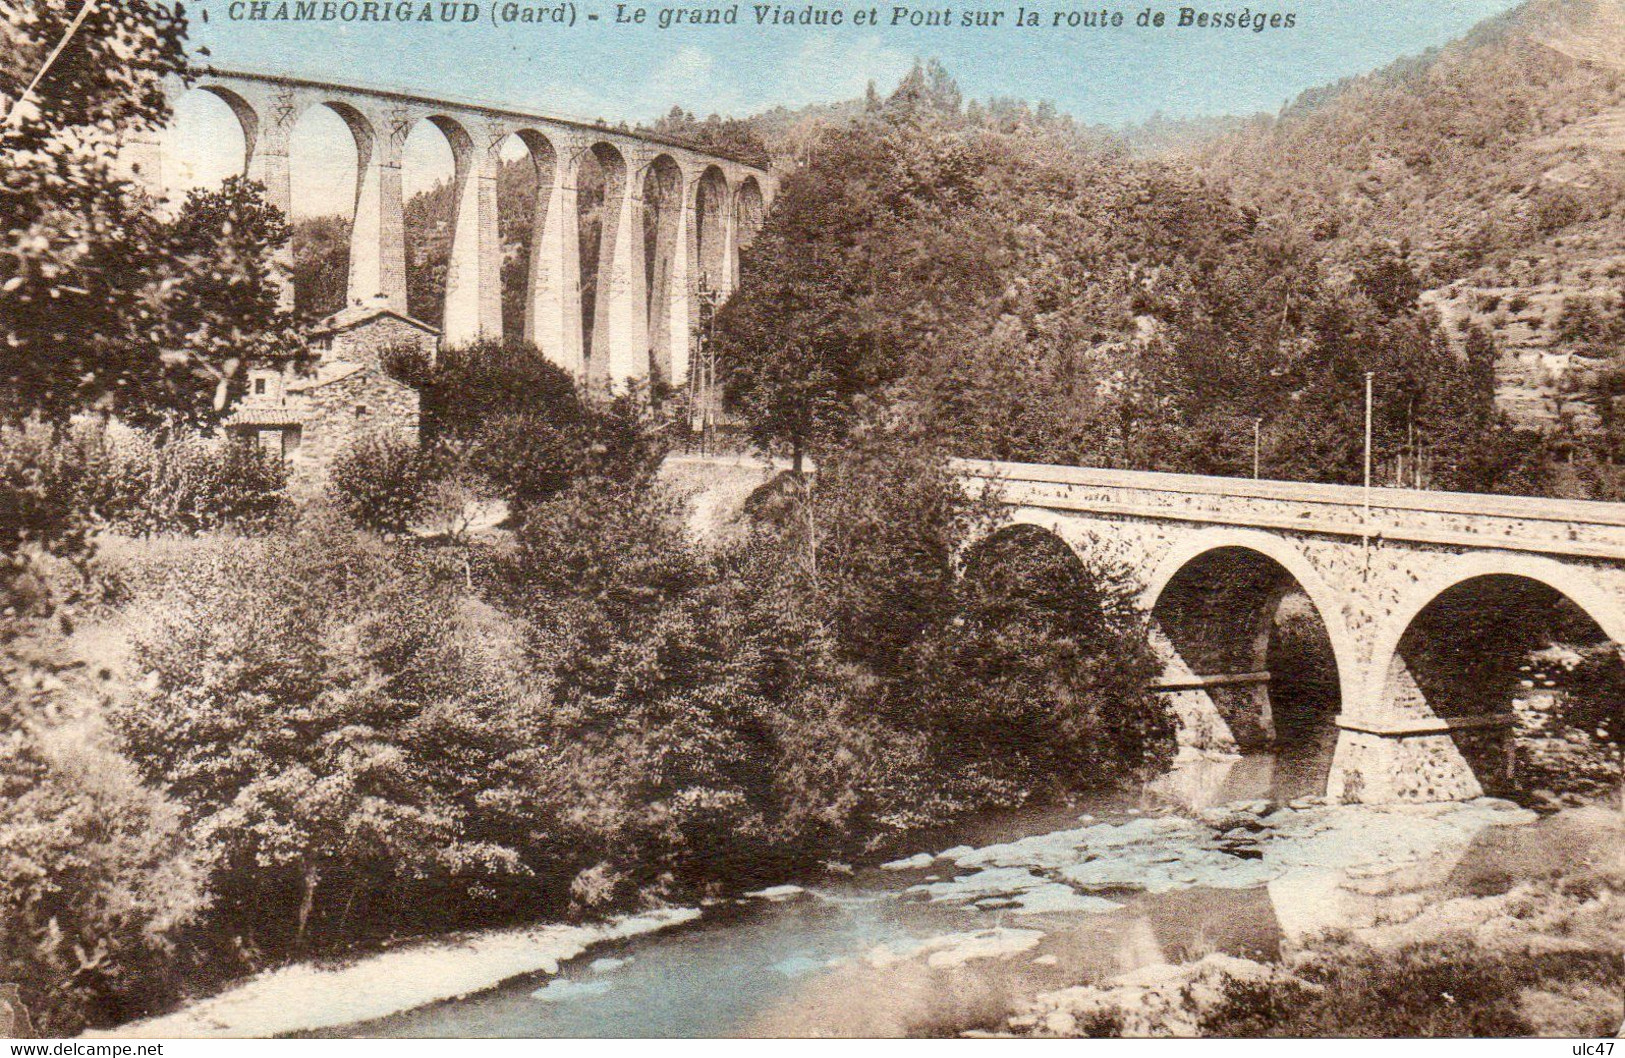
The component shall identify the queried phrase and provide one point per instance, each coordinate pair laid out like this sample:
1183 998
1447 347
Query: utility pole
703 386
1368 376
1257 424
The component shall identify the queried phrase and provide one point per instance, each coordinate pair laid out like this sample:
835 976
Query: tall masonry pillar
377 238
139 157
269 166
553 300
730 240
679 319
620 334
474 277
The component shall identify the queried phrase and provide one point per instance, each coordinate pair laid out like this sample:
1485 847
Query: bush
663 695
1446 987
196 485
59 482
1037 685
1015 670
345 746
97 879
822 685
504 415
41 483
381 481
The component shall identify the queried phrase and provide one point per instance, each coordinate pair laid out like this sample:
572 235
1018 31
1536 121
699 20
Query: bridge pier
620 334
269 164
670 317
474 274
1439 760
378 232
553 302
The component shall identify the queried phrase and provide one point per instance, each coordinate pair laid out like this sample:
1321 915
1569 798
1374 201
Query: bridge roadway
1415 590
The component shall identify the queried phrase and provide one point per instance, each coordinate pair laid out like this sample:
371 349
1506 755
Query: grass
1450 986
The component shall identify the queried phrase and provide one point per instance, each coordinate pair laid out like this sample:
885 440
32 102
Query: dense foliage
334 729
338 735
1027 296
381 481
1449 150
502 414
97 875
1449 987
59 483
730 136
104 303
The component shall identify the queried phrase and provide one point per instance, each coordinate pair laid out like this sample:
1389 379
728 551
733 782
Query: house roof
353 316
326 375
264 416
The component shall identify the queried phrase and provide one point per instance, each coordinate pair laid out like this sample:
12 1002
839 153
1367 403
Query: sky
632 72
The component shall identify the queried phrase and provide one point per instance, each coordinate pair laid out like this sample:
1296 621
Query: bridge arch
1573 583
1461 650
247 116
350 190
523 166
751 211
711 194
1256 653
617 344
665 267
362 131
433 214
1279 550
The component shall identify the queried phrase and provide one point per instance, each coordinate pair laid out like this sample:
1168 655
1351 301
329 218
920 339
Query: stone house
308 410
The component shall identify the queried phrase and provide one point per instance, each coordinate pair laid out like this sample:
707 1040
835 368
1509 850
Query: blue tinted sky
630 72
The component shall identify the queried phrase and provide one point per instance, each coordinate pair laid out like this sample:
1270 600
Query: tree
502 414
1026 293
344 746
98 878
847 275
725 135
77 249
219 302
321 248
381 481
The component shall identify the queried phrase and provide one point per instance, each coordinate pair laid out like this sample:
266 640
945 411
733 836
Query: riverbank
1043 924
1524 935
307 997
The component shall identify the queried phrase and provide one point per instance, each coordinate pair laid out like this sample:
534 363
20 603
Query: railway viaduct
1420 594
704 207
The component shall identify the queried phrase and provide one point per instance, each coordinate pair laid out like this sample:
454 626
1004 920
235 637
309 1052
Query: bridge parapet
1574 528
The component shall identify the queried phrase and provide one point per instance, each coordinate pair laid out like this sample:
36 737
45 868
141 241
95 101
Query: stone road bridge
674 216
1429 602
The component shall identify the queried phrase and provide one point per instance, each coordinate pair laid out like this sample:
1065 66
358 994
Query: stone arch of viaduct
1214 556
706 208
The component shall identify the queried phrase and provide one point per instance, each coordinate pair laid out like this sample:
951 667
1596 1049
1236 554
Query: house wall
368 401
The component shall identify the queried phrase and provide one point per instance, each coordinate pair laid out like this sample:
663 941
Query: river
1225 856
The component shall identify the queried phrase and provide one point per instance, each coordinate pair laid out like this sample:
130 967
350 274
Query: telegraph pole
1365 538
1368 377
1257 424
